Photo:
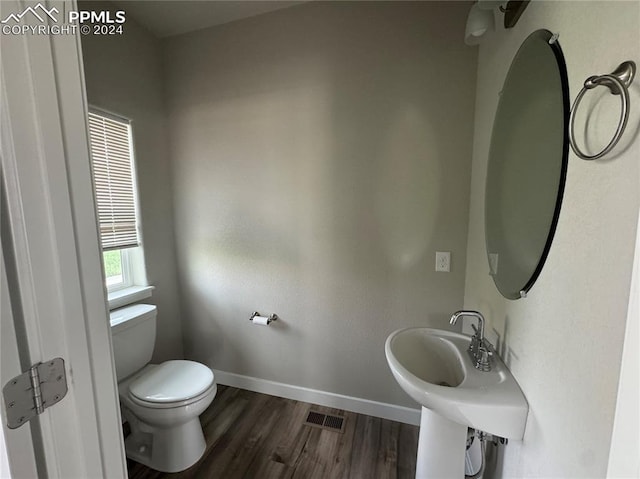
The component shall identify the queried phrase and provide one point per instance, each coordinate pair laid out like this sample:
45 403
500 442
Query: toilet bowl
162 402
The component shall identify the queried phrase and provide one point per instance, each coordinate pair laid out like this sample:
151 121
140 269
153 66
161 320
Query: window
114 181
117 269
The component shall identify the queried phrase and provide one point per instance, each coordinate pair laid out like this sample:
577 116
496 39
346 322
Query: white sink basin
433 367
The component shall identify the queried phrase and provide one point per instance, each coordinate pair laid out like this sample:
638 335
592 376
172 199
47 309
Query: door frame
52 253
624 457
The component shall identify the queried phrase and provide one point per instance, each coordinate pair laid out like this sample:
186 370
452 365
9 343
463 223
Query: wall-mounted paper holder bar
270 319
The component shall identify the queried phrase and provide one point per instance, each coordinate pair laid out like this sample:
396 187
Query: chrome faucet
480 350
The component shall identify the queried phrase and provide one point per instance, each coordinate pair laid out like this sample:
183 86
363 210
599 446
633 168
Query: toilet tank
133 332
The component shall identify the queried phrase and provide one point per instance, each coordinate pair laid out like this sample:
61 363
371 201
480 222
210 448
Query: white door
53 299
21 445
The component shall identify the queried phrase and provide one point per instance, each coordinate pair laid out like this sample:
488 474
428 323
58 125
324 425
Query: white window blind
114 181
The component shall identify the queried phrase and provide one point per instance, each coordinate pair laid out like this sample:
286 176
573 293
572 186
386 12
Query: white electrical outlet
443 261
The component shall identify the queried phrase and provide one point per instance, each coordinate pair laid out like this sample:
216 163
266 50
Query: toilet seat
169 405
171 384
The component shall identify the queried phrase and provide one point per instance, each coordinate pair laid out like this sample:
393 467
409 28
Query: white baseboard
361 406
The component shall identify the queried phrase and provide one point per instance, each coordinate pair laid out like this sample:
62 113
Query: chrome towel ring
618 83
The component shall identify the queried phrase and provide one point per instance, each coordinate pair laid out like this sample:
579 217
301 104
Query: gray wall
321 156
563 343
123 75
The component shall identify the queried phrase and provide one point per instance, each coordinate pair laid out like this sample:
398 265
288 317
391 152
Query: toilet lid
172 381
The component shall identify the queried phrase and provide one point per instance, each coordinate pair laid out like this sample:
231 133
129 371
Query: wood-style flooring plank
365 448
284 444
342 451
224 453
387 464
407 451
251 435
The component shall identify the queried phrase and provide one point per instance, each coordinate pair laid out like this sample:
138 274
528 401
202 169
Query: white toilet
161 402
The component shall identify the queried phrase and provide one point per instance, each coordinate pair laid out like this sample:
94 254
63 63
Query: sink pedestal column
441 447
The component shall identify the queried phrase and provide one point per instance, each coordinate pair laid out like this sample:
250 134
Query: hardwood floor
256 436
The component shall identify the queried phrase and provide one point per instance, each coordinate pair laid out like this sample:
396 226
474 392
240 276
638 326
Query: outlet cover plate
443 261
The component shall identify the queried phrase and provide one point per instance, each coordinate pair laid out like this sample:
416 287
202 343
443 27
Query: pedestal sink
433 367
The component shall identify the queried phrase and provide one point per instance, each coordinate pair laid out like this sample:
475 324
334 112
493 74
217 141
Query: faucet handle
476 331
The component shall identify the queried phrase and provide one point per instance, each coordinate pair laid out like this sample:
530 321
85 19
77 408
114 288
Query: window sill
126 296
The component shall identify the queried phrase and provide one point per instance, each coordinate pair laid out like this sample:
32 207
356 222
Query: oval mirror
527 164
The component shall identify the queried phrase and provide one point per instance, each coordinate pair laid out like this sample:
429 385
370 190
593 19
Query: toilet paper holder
272 317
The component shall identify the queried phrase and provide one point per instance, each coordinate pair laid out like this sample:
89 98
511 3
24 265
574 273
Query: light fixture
512 11
491 4
480 18
479 21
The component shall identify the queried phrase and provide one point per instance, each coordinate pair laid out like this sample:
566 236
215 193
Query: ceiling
173 17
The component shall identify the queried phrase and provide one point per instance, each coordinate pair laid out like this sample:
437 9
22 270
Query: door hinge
29 394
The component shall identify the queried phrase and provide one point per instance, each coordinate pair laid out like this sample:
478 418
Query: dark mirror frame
520 291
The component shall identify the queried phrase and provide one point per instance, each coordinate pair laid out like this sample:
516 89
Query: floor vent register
325 421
